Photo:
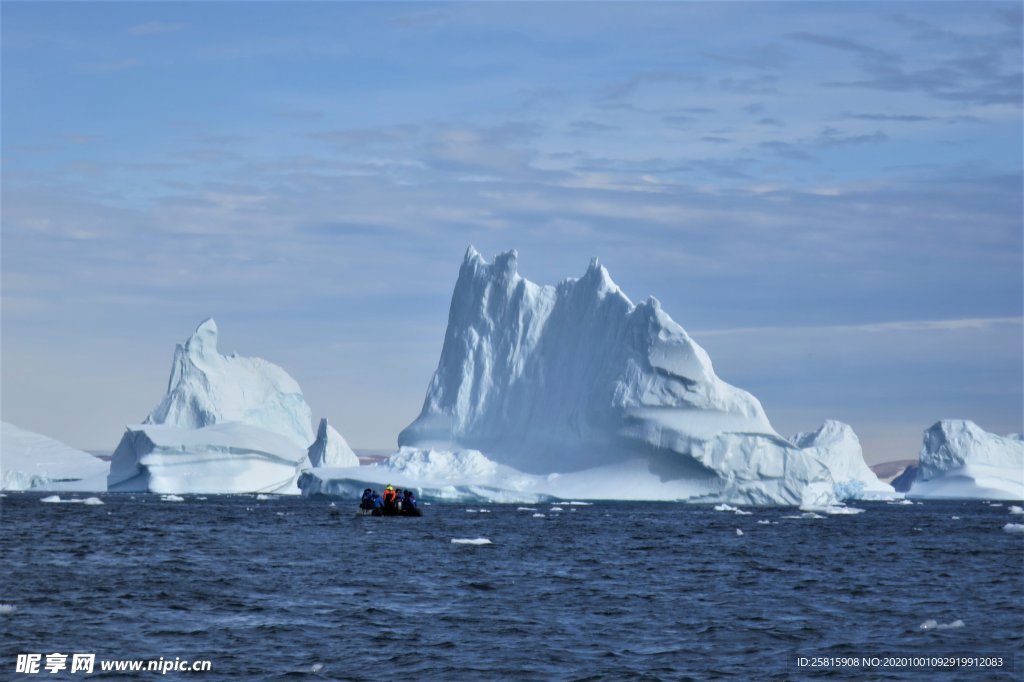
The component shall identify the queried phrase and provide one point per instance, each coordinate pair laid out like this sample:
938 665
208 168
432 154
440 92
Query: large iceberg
227 424
207 388
330 449
959 460
575 391
835 444
30 461
221 458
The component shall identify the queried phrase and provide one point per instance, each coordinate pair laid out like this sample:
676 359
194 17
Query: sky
827 196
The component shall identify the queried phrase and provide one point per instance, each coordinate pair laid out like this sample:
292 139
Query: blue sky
826 195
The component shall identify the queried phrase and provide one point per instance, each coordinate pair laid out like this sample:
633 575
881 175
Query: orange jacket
390 496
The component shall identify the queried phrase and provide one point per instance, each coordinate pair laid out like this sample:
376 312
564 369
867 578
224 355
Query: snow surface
30 461
835 444
959 460
222 458
330 449
208 388
615 399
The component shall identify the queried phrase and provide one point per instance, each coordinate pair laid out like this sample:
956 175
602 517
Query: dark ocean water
293 589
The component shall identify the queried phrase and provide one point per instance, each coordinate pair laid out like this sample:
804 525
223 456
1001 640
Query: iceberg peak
204 339
206 387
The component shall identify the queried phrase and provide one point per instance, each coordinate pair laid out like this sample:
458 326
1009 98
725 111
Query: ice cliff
959 460
231 457
590 395
30 461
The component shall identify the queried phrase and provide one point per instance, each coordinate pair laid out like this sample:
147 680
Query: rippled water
295 589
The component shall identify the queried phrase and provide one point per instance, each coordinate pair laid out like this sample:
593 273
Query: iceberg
959 460
835 444
207 388
575 392
221 458
228 424
330 449
31 461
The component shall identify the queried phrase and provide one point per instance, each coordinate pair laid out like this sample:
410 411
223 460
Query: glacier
227 424
960 460
31 461
330 448
574 392
231 457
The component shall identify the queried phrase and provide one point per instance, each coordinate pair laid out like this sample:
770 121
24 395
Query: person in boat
367 500
409 504
390 498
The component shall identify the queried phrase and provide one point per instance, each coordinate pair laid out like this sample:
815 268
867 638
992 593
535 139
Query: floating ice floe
1014 528
7 608
739 532
1014 509
89 501
471 541
172 498
931 624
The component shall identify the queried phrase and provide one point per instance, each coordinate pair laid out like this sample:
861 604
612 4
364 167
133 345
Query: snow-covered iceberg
959 460
575 391
228 424
30 461
207 388
835 444
221 458
330 449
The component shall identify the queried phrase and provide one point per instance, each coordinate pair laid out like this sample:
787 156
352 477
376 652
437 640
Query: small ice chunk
471 511
539 516
1014 509
172 498
471 541
764 522
1014 528
955 518
91 501
557 509
580 504
932 624
995 504
263 496
739 532
526 508
724 507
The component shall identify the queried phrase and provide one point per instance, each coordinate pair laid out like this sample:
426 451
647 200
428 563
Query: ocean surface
297 589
